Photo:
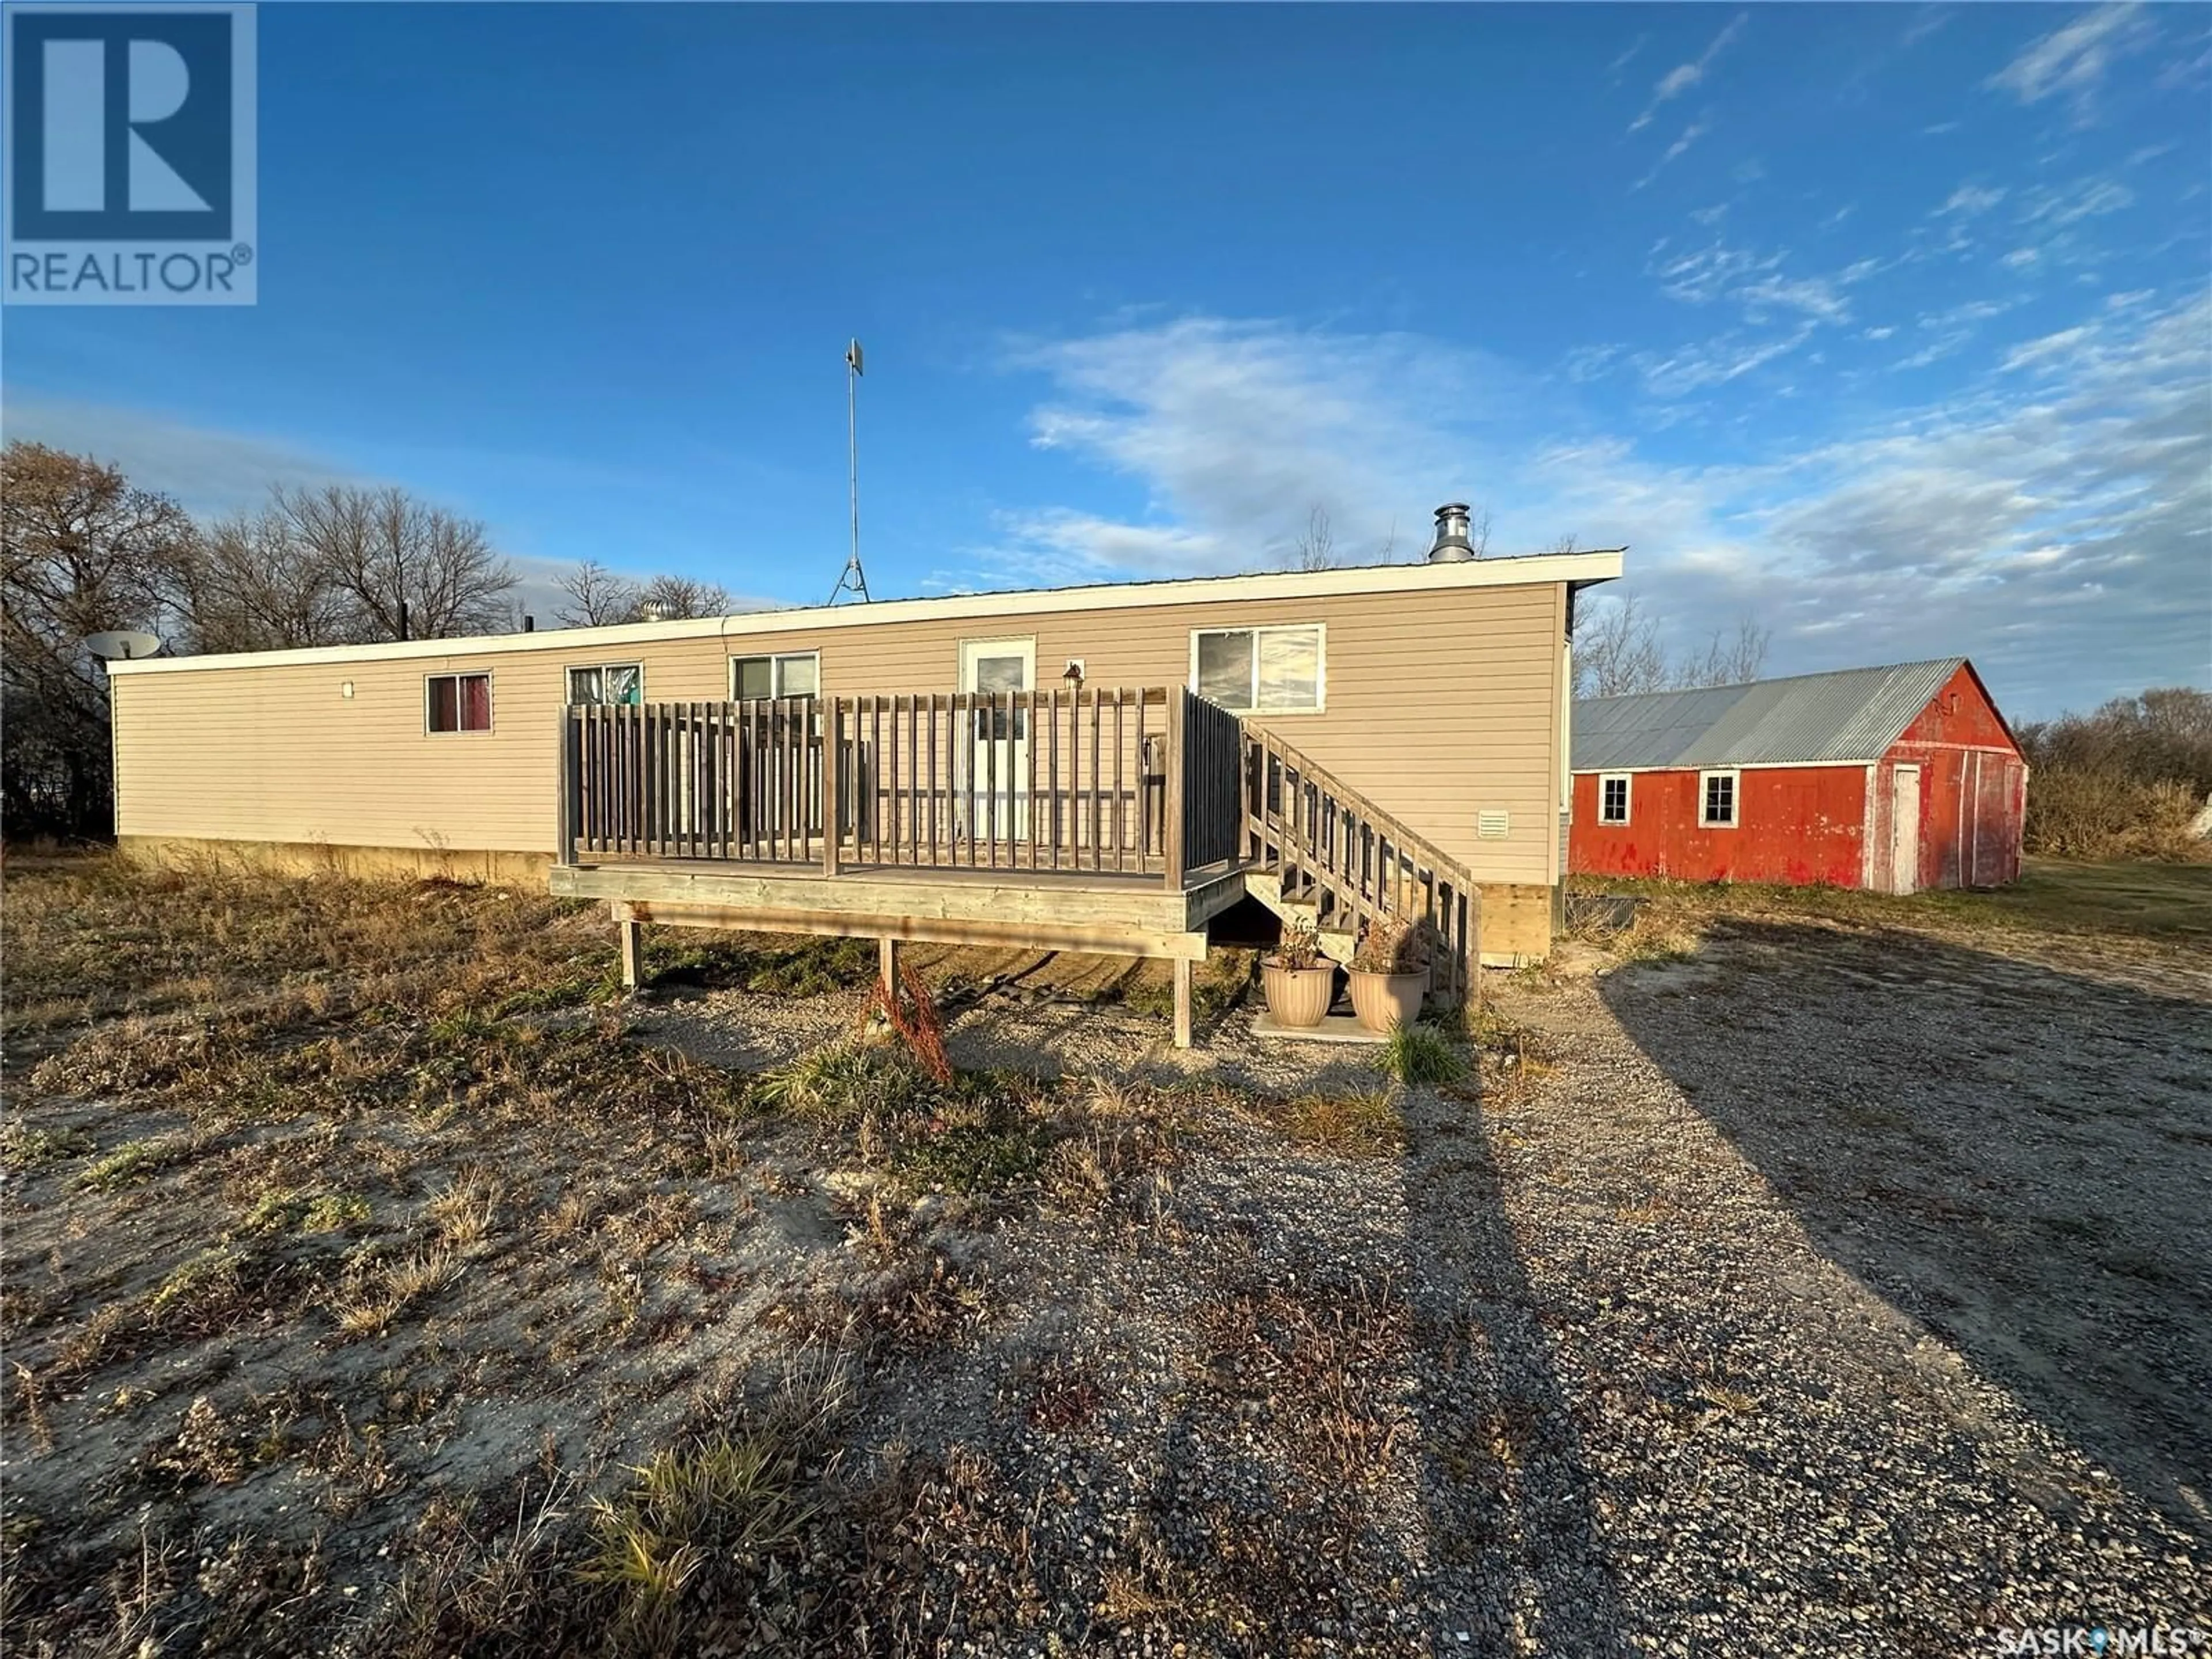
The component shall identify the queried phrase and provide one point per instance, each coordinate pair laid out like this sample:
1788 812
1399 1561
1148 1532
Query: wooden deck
1115 821
1119 916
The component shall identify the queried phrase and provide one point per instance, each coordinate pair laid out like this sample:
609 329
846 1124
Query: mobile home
1107 767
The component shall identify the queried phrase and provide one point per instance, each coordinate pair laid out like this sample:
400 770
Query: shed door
1904 830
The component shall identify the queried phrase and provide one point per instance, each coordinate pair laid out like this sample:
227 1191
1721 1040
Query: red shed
1890 779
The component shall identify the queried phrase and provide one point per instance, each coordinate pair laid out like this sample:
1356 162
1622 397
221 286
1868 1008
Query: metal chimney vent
1451 544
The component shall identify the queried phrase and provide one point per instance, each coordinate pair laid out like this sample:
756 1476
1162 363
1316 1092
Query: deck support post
1183 979
887 955
631 934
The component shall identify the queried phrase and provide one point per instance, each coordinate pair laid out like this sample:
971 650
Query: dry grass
95 937
367 1222
2170 902
1328 1356
1364 1123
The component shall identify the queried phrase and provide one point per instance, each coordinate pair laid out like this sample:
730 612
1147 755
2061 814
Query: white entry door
998 742
1905 830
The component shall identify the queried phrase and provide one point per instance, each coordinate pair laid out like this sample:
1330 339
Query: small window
1613 797
796 674
1265 671
1717 807
611 685
458 702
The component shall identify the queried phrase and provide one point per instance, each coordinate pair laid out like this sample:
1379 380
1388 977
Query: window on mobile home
1262 671
457 703
609 685
794 674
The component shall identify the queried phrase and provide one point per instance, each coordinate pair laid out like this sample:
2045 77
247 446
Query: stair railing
1353 862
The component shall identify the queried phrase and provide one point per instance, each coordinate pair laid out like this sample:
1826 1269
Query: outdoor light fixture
1074 675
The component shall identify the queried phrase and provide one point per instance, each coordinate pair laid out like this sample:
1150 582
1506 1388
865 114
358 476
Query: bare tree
401 566
1617 650
671 598
1565 543
1726 660
1316 546
249 585
1389 544
597 597
1478 532
81 551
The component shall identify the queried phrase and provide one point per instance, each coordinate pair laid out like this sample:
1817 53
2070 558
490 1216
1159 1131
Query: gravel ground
1827 1290
1822 1292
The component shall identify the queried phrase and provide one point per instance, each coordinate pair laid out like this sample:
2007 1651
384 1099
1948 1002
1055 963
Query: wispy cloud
2083 199
1683 76
208 471
1970 199
1811 295
1928 20
1234 430
2073 60
1697 130
1704 364
2048 518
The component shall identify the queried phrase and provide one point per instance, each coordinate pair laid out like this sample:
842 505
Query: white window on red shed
1716 793
1613 797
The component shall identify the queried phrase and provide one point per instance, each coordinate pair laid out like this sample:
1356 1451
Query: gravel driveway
1827 1292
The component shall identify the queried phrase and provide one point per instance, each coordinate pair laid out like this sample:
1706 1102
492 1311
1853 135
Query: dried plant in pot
1300 982
1389 974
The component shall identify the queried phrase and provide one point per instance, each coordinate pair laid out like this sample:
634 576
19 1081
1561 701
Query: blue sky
1890 325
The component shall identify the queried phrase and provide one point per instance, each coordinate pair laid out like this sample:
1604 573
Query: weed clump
133 1162
1422 1056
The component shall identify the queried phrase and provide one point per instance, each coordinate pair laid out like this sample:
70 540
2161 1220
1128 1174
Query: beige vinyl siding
1439 704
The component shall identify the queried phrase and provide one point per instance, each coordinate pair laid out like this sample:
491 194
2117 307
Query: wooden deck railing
1355 863
1139 782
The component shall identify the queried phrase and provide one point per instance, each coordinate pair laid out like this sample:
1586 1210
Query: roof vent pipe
1451 544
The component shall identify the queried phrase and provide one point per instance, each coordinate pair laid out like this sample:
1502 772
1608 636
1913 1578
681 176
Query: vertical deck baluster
1144 791
1097 825
1029 770
912 845
1121 699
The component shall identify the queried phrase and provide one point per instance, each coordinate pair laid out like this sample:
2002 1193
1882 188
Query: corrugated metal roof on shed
1853 714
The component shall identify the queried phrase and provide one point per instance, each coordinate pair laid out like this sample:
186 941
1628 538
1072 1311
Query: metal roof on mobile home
1854 714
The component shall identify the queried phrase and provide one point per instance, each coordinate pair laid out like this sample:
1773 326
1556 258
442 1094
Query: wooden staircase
1317 852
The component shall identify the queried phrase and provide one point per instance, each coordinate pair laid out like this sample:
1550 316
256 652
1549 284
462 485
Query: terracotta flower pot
1383 1001
1298 997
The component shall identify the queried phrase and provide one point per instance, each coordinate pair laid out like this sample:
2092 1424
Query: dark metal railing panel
1213 766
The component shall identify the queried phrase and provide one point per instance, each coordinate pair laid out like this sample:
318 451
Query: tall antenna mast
853 579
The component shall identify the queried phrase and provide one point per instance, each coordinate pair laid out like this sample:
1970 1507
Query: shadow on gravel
1507 1494
2019 1159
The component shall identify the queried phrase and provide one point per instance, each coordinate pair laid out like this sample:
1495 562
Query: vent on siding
1489 824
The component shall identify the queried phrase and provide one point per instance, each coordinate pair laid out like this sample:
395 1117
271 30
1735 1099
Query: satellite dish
122 644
